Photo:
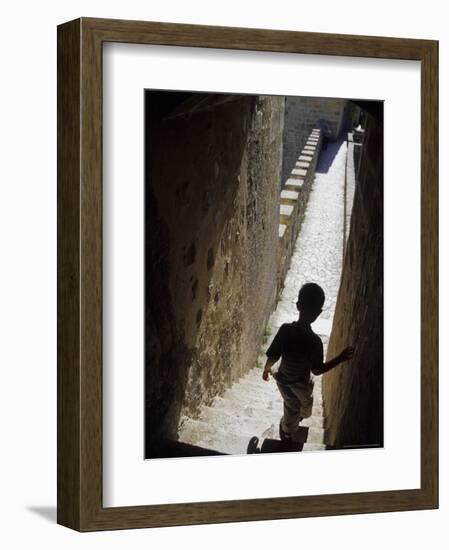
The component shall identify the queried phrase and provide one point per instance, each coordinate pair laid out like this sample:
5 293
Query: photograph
247 259
264 272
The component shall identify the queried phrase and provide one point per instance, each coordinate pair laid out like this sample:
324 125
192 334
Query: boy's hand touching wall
346 354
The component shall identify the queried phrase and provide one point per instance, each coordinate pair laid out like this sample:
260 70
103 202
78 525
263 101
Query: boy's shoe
291 446
253 446
284 435
287 445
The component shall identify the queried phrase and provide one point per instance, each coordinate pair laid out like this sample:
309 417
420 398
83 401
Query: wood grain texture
429 272
80 274
69 409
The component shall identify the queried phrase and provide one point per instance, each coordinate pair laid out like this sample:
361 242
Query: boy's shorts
298 403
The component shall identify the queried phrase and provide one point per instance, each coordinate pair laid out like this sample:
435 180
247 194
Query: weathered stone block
289 195
299 172
294 183
285 209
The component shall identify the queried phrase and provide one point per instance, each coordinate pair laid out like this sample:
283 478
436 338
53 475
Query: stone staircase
253 407
290 197
250 407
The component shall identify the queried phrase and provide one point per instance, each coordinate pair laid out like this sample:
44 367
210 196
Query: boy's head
310 301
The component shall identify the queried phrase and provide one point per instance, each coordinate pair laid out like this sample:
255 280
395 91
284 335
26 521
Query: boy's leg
288 427
304 395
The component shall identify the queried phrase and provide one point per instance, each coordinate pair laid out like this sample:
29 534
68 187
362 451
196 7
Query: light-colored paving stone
289 195
282 228
285 209
252 406
299 172
294 182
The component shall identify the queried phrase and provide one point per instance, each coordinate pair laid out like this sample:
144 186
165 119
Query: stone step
234 444
300 172
302 164
286 210
239 401
249 409
268 390
315 435
289 195
237 445
238 422
254 388
196 430
228 433
282 228
288 202
260 407
314 447
294 183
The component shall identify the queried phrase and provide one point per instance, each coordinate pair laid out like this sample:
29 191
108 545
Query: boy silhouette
301 351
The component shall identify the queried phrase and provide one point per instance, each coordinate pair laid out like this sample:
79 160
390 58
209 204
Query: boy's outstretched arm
346 354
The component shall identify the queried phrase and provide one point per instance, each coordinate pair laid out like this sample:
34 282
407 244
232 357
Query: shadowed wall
353 392
212 203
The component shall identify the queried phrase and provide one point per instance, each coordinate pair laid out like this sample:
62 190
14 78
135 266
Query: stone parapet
293 201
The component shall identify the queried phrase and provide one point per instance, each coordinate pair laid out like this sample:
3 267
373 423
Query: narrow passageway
252 407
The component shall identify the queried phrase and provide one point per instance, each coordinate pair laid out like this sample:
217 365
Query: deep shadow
167 448
47 512
258 445
354 397
190 173
328 154
278 446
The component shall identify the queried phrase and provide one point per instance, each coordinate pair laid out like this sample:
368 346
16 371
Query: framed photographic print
247 274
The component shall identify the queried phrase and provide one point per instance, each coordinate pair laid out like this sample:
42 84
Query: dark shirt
301 351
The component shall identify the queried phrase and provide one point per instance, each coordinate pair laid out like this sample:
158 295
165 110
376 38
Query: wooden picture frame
80 504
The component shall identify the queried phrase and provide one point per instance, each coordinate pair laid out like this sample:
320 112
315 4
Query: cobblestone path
252 406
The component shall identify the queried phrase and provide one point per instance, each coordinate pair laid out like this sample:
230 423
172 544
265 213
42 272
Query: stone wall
302 114
293 202
353 392
212 200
